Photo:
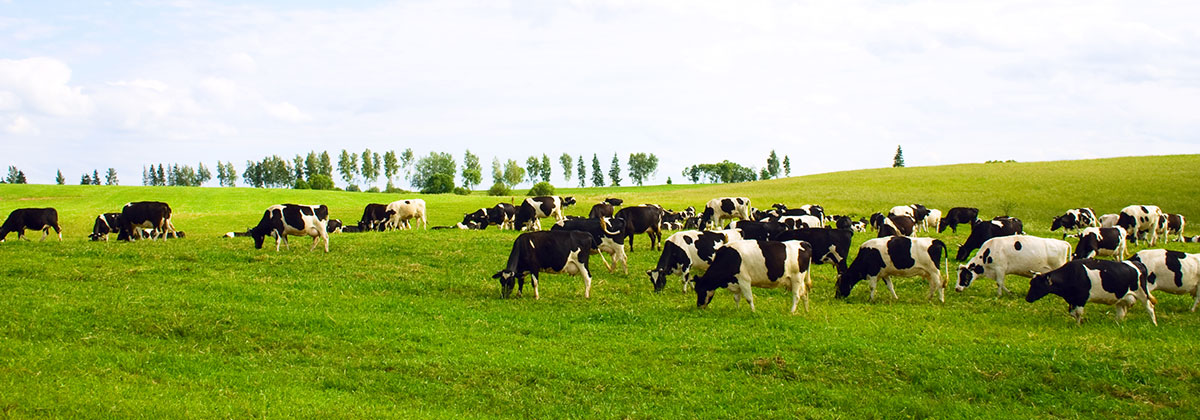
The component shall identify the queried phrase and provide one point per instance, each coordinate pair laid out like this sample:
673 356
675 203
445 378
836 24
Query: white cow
404 210
1138 218
1021 255
1108 220
718 210
933 219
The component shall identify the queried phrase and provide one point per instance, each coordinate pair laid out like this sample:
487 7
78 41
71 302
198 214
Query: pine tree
772 169
59 178
614 171
898 160
597 172
110 177
787 166
95 177
582 172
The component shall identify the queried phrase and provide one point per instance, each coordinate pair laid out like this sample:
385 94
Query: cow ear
498 274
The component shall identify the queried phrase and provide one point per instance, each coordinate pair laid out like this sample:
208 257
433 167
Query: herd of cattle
740 247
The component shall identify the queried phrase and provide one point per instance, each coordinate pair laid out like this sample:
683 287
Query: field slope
410 324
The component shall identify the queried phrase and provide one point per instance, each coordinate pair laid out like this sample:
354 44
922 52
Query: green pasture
410 324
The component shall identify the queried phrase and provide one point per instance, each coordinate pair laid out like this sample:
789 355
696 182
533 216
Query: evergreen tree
15 176
582 175
161 178
95 177
326 166
110 177
312 165
85 179
614 171
898 160
787 166
58 179
597 172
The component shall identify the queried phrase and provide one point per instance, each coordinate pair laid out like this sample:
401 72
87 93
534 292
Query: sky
833 85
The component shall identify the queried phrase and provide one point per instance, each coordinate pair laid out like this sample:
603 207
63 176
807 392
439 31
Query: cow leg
796 286
610 268
1122 306
587 281
892 287
1150 309
1077 312
1196 300
745 289
1000 289
45 233
533 279
872 282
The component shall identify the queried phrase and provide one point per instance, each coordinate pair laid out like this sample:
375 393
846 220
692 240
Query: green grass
410 324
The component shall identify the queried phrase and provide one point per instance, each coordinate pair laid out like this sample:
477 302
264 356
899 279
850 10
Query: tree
566 161
582 175
425 174
787 166
545 168
202 174
497 171
772 169
898 160
642 166
533 169
346 167
58 179
764 174
513 173
406 162
326 165
472 173
724 172
231 174
692 173
312 165
369 172
16 176
377 163
614 171
298 168
597 172
85 179
95 177
110 177
391 166
160 179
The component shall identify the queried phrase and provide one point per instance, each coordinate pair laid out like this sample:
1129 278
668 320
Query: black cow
375 217
643 219
560 251
145 214
897 225
829 245
1074 219
281 220
33 219
905 257
608 236
105 224
1078 282
616 202
957 216
981 231
760 231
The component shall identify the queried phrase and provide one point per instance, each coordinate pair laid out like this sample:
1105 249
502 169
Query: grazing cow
981 231
877 220
932 220
1074 219
375 217
281 220
718 210
897 225
401 211
1119 283
758 230
145 215
916 211
798 222
958 216
690 211
561 251
740 265
1108 220
829 245
1173 272
105 224
805 210
616 202
684 251
533 209
608 237
1137 219
643 219
1095 241
601 210
334 226
501 214
42 219
1171 225
1021 255
895 256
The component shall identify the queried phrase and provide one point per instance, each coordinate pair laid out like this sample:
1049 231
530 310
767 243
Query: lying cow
334 226
608 237
981 231
718 210
895 256
140 215
1021 255
958 216
105 224
1109 242
740 265
401 211
1119 283
684 251
281 220
42 219
561 251
1074 219
1173 272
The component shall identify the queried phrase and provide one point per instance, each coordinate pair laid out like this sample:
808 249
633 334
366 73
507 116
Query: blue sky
834 85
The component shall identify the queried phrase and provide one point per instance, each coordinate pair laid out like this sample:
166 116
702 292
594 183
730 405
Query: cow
608 236
740 265
1108 220
401 211
375 217
334 226
957 216
797 222
42 219
1120 283
684 251
805 210
601 210
281 220
1173 272
1137 219
757 230
718 210
1074 219
643 219
561 251
877 219
105 224
533 209
244 234
916 211
1172 224
148 215
672 221
616 202
897 225
1095 241
829 245
1021 255
501 215
981 231
895 256
932 219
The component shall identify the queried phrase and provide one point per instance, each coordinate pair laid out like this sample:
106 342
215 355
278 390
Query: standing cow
958 216
1119 283
140 215
718 210
401 211
1096 241
981 231
1021 255
281 220
533 209
740 265
42 219
895 256
375 217
684 251
608 237
1173 272
1137 219
1074 219
105 224
643 219
561 251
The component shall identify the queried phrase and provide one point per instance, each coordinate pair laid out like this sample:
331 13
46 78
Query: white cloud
286 111
21 126
41 83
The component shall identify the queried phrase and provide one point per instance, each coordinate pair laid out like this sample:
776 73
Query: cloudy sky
834 85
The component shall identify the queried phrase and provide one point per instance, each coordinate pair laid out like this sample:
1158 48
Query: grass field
410 324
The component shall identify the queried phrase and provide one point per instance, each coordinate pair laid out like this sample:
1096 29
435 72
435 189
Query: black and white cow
897 225
1074 219
1173 272
1096 241
797 222
1021 255
145 215
608 237
105 224
401 211
533 209
375 217
741 265
672 220
334 226
958 216
501 215
1119 283
933 219
718 210
981 231
555 251
916 211
281 220
805 210
877 219
1172 225
895 256
684 251
762 231
646 218
1108 220
42 219
1137 219
829 245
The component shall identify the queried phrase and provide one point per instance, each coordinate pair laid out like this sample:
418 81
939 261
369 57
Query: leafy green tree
582 175
566 161
787 166
58 179
772 169
425 173
513 173
533 169
312 165
724 172
321 182
368 170
472 172
597 172
541 189
298 169
346 167
898 160
406 163
545 168
326 165
642 166
614 171
391 166
497 172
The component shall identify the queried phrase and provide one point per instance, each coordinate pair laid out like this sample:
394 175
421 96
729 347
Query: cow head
658 278
568 201
1039 286
966 275
704 295
508 279
614 201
